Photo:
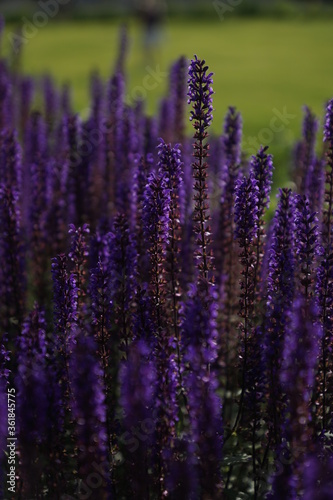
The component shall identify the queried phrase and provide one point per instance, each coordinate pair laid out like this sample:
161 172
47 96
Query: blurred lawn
259 65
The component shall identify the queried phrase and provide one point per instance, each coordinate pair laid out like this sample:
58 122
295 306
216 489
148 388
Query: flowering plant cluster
165 336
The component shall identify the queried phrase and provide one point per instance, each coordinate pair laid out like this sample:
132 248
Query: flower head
200 93
328 127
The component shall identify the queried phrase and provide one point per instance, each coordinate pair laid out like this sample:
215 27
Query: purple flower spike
182 480
122 49
156 210
305 153
262 171
300 359
170 165
280 293
138 384
10 161
138 381
328 127
156 230
65 303
4 358
78 255
199 337
5 96
178 97
307 245
144 326
122 268
88 410
32 404
324 287
200 93
246 210
318 478
246 228
231 139
12 272
51 101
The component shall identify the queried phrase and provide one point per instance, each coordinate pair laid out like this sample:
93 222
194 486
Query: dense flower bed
162 339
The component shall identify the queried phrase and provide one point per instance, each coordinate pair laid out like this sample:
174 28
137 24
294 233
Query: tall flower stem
200 95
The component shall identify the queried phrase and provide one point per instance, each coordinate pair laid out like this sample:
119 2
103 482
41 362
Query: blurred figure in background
152 16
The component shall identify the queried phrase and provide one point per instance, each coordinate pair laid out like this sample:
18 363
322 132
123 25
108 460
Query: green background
259 65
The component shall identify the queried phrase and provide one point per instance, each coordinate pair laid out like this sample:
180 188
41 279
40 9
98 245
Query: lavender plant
152 370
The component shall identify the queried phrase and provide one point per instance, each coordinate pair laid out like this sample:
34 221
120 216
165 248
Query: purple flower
156 231
306 245
65 295
225 249
156 220
138 384
328 126
318 478
122 269
12 272
143 167
165 127
200 93
280 293
170 166
316 181
137 398
144 326
27 89
199 337
101 303
10 161
78 255
231 139
5 96
246 210
262 171
305 153
324 286
246 228
32 405
51 101
65 99
122 48
298 371
182 479
88 408
178 89
155 215
281 264
4 358
282 481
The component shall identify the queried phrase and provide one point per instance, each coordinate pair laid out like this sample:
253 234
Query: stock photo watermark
153 78
48 9
11 440
225 7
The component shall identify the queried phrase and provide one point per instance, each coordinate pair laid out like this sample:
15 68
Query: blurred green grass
259 65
